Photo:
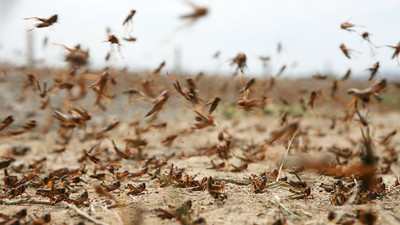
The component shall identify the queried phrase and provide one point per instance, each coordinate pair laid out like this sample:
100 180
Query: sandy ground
242 205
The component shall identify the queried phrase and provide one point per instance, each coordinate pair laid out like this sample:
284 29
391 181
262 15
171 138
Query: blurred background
308 32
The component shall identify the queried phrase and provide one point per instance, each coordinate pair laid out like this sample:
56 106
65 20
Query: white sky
309 31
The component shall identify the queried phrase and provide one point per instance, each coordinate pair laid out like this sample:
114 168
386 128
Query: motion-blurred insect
128 18
247 86
28 126
213 104
274 79
367 217
191 94
159 68
45 41
366 36
114 41
6 122
313 96
197 13
167 141
237 169
396 52
283 133
158 103
249 103
216 166
92 157
347 75
386 138
202 121
240 61
347 26
14 219
192 18
280 72
319 76
118 151
45 22
108 56
345 50
77 56
5 163
374 70
265 60
279 48
364 95
100 87
46 218
129 39
217 54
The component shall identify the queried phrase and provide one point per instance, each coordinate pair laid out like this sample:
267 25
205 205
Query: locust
100 87
159 68
6 122
274 78
158 103
346 75
130 39
111 187
45 22
283 133
167 141
345 50
347 26
118 151
213 104
128 18
365 94
114 41
202 121
396 51
215 189
191 94
248 85
197 13
374 70
313 96
240 62
334 88
76 56
136 190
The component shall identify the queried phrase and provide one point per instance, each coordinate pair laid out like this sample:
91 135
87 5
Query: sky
309 31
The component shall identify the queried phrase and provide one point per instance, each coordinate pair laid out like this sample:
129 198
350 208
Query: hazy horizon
308 30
